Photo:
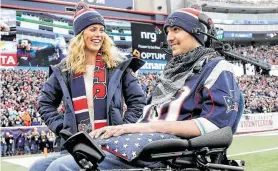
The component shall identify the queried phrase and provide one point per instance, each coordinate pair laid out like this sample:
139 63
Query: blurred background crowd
267 54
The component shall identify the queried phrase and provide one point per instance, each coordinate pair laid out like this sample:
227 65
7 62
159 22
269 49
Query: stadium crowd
267 54
260 92
19 94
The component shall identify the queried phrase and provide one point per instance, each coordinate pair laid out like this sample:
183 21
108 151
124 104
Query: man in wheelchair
189 120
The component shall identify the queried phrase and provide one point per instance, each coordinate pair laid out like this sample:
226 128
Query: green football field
259 151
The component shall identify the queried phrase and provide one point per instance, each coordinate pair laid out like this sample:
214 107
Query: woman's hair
76 59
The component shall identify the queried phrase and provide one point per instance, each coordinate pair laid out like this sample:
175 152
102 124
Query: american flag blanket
128 146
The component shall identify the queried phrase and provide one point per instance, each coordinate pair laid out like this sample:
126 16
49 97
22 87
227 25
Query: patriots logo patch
231 104
171 21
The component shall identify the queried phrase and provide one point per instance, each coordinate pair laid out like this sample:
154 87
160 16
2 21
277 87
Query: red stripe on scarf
77 75
100 124
80 104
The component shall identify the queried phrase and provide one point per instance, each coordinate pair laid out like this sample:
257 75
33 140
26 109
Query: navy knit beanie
85 17
187 19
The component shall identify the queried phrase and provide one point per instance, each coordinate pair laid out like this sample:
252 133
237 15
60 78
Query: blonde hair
76 59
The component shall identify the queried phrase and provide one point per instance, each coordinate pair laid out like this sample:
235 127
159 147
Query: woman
92 82
51 138
20 142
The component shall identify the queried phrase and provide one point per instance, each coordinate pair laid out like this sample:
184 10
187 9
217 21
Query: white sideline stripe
25 161
252 152
267 133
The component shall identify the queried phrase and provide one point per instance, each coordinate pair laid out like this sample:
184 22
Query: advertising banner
8 38
146 39
220 34
245 22
126 4
238 35
258 122
42 38
153 66
8 59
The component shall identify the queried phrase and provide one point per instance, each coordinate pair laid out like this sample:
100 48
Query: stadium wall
249 123
261 122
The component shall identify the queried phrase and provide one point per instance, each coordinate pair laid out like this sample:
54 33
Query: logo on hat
95 18
171 21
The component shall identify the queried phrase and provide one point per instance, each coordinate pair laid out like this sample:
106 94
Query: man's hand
109 131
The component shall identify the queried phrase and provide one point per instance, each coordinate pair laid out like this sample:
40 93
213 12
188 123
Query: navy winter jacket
122 85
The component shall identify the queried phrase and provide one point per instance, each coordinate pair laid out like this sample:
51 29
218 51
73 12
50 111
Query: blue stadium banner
126 4
255 22
238 35
153 66
246 22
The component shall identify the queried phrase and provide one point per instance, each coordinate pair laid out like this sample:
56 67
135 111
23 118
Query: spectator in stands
27 144
9 141
92 57
11 122
35 136
4 121
35 122
51 138
26 119
43 141
18 121
190 87
20 142
3 145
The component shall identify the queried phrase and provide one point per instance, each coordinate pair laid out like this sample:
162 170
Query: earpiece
207 29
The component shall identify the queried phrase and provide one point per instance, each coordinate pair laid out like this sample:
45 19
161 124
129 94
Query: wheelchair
202 153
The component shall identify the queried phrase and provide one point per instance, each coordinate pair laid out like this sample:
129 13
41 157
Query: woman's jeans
65 162
27 149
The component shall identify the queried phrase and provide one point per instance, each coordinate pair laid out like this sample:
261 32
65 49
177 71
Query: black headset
208 30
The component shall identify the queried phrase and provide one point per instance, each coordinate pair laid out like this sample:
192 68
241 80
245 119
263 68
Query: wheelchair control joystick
84 150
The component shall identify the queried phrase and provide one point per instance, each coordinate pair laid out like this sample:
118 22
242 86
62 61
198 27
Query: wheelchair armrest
221 138
163 149
170 148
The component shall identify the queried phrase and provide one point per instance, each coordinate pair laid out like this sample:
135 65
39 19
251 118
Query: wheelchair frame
196 154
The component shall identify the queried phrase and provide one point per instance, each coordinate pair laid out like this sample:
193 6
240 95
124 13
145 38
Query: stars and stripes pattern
128 146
